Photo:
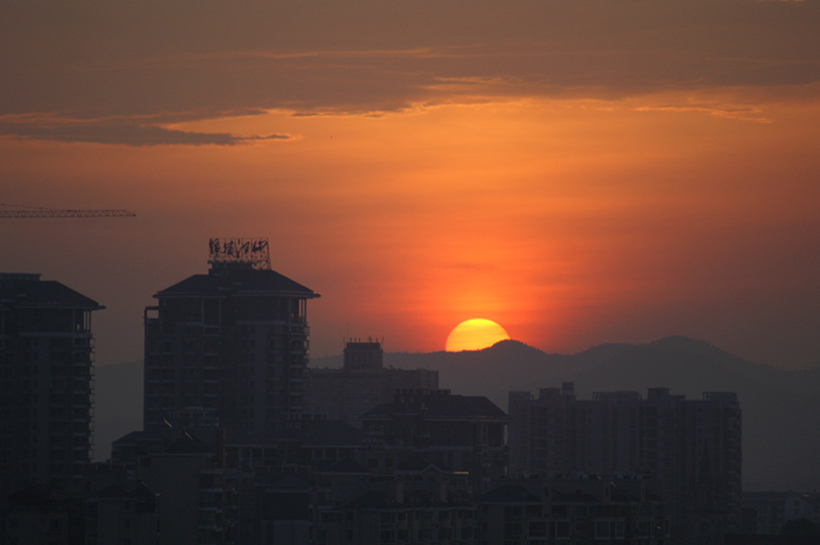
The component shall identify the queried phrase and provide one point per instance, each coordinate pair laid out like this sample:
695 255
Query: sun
475 334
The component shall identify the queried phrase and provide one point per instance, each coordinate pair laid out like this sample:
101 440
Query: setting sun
475 334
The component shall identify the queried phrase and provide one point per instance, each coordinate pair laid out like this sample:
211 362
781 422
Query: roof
29 291
577 496
443 407
343 466
237 282
511 493
289 483
117 492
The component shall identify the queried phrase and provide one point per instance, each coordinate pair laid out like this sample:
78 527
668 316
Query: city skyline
578 173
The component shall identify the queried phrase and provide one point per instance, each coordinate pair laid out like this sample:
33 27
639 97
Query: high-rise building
692 447
46 383
230 345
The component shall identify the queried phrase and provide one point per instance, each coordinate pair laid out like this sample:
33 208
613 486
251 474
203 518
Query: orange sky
579 173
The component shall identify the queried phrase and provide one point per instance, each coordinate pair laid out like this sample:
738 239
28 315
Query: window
609 529
644 528
388 517
538 529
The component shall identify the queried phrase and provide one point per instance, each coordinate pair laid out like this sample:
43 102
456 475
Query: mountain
494 371
781 409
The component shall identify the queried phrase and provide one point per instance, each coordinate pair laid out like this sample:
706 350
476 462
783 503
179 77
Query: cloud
118 131
744 113
368 57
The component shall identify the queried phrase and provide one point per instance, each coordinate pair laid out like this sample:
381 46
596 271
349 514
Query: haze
579 172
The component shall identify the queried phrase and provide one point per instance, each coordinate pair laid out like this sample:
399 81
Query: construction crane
38 212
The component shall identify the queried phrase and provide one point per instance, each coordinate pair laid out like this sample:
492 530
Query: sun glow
475 334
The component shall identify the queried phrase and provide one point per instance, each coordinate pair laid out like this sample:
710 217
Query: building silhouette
454 432
229 347
46 384
691 447
573 511
361 384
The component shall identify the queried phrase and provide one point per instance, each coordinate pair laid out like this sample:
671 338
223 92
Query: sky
579 171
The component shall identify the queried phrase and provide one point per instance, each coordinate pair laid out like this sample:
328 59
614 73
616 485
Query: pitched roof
443 407
343 466
577 496
236 281
117 492
511 493
32 292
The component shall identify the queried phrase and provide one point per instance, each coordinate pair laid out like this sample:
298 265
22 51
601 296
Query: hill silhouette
781 409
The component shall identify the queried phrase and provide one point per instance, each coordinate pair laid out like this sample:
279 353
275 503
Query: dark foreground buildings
234 452
230 346
46 384
691 447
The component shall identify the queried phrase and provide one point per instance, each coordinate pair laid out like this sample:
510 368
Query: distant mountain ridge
781 409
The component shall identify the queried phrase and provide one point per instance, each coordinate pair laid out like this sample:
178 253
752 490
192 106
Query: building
122 516
766 513
692 447
228 347
46 384
453 432
573 512
397 513
361 384
43 515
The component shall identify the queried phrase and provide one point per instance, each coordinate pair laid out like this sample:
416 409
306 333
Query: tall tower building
230 345
46 383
